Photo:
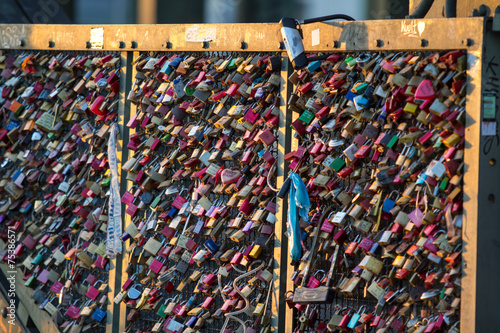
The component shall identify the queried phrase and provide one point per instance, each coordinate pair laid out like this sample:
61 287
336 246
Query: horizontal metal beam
462 33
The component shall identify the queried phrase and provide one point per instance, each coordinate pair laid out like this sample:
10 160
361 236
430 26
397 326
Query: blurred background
191 11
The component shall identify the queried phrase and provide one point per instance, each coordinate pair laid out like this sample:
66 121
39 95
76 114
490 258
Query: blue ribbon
298 206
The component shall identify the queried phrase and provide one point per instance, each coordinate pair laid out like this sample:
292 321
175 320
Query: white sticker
201 34
97 38
489 128
315 37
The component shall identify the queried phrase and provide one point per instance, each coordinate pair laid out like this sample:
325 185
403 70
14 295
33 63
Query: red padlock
207 304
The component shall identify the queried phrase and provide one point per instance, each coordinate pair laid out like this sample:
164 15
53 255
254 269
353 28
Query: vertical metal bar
118 275
480 294
294 143
282 315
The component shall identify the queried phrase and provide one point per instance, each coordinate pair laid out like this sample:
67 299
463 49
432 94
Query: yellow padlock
256 251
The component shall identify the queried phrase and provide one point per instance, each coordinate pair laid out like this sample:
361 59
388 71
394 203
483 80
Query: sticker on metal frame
97 38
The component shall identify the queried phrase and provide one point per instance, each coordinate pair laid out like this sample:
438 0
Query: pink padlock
327 226
236 259
246 208
226 307
316 148
346 319
313 281
366 244
73 311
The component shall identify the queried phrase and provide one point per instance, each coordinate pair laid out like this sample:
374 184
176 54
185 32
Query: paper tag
315 37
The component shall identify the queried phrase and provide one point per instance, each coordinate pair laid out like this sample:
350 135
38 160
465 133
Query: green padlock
30 281
360 88
306 117
337 164
161 310
106 181
352 62
189 91
39 257
166 137
61 200
438 143
444 183
72 223
393 141
232 64
157 200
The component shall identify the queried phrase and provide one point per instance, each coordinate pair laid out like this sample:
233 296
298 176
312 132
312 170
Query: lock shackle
78 300
319 271
393 192
137 284
459 246
359 310
131 187
43 250
339 311
439 232
97 282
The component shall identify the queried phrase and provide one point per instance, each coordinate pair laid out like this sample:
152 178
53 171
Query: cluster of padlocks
373 186
203 202
58 111
380 151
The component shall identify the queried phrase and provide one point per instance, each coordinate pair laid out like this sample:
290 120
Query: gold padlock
256 251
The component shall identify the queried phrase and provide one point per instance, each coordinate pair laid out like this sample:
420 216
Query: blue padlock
166 69
174 63
355 318
99 315
125 236
421 179
313 66
375 249
16 174
389 203
12 124
350 95
211 246
173 211
192 321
